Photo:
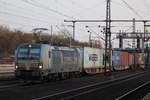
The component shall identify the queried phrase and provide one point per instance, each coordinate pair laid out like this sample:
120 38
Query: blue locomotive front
42 61
28 61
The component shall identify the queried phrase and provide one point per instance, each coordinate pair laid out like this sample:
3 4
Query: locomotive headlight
40 67
16 67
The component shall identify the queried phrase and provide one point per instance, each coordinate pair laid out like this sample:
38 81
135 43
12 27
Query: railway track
66 89
8 86
77 92
136 93
14 83
8 80
58 91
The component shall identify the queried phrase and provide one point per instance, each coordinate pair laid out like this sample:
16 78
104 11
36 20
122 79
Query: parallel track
133 93
70 94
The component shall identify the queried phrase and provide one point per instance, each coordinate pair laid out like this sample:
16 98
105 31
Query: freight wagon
138 60
123 60
120 60
117 60
93 60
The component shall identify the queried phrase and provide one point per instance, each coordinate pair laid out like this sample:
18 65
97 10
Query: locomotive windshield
28 53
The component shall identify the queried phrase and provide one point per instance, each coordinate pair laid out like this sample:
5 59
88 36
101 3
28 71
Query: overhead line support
105 20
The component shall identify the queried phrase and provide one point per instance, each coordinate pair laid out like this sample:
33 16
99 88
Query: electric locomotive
46 62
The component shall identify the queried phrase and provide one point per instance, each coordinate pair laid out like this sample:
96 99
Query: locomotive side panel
56 61
66 62
46 56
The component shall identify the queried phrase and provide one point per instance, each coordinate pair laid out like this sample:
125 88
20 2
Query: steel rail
132 91
107 83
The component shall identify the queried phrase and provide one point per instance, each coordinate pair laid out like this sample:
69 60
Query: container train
47 62
127 60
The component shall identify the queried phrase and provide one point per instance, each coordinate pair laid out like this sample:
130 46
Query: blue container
117 58
135 59
143 58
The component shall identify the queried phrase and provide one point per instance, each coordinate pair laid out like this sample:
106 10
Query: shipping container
135 59
143 58
139 59
116 58
93 59
130 59
124 56
147 61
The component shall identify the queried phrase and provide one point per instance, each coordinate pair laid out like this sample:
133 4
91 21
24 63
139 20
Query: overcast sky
28 14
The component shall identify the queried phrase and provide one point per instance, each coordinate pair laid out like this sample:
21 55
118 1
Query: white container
93 58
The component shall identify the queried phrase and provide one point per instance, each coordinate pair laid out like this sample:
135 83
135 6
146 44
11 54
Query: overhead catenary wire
43 3
25 23
36 21
65 7
25 17
76 4
63 31
16 23
118 4
37 4
132 9
20 8
146 5
99 36
85 10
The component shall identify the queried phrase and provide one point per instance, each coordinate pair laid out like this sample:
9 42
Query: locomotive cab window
29 53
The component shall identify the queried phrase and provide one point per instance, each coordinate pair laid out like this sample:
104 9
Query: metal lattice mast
133 42
108 36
